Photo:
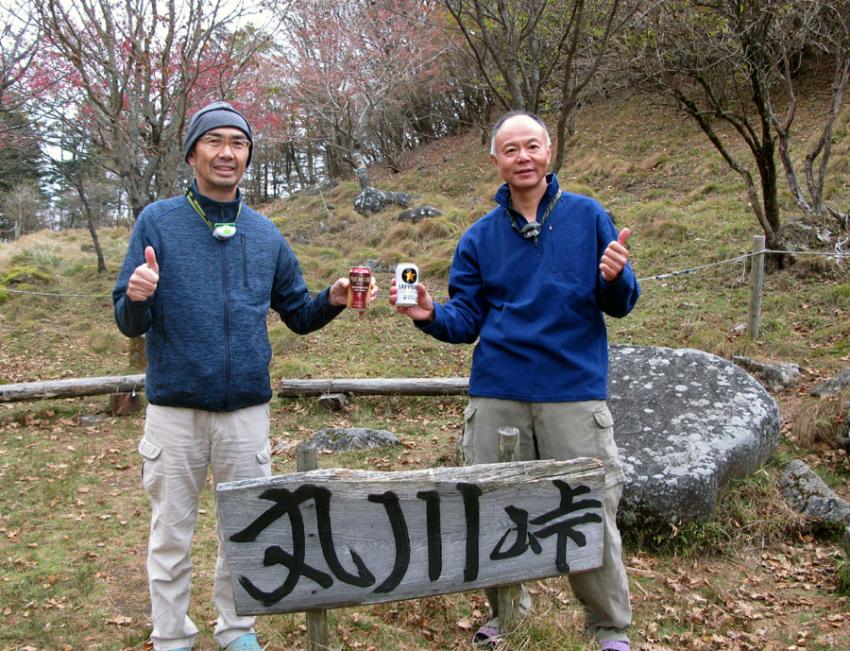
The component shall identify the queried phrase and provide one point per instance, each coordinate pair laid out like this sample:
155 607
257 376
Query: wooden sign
333 538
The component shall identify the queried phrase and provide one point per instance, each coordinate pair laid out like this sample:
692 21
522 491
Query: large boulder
371 200
686 423
353 438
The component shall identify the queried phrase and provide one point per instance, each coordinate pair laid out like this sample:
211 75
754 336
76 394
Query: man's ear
493 159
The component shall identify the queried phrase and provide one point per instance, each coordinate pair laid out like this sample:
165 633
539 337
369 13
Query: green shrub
44 255
26 276
437 228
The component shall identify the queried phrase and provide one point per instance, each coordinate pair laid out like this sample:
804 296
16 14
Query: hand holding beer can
406 277
359 285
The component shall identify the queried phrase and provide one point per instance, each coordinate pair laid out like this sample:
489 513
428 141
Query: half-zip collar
503 194
547 203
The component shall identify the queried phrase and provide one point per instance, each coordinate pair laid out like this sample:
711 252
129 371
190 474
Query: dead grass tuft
756 514
818 421
398 233
652 162
665 229
438 228
817 266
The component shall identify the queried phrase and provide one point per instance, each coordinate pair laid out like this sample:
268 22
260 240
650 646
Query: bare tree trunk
574 84
821 151
569 92
292 155
101 262
766 207
823 147
783 134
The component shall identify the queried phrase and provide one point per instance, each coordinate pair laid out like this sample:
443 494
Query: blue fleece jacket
206 338
535 306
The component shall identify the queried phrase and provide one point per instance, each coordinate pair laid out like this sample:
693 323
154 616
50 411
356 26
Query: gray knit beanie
213 116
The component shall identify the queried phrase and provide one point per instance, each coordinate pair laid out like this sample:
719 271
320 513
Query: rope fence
709 265
757 277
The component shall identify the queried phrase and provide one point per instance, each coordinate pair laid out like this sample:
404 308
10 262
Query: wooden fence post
756 287
306 457
317 620
508 594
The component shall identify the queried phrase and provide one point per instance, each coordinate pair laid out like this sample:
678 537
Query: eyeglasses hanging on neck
532 230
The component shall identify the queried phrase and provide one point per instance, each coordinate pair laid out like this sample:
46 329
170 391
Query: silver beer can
406 277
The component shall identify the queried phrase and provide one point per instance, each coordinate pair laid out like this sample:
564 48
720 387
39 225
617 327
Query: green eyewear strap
221 230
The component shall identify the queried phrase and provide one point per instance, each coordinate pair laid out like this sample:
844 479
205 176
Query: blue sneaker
247 642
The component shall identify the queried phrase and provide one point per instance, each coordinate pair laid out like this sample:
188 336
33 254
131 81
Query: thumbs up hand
615 257
143 282
150 259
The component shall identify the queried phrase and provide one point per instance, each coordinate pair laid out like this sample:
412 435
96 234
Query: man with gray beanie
201 272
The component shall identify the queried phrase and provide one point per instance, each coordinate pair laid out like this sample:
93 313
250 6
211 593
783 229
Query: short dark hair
512 114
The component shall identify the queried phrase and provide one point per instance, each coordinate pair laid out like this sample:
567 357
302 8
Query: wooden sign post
334 538
508 595
306 459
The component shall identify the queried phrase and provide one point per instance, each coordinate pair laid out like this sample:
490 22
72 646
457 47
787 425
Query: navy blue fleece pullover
535 306
206 339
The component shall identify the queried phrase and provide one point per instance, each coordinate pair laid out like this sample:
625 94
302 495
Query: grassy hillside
72 549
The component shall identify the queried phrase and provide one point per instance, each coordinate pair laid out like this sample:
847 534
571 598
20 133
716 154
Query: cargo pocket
608 449
604 419
264 458
467 441
152 476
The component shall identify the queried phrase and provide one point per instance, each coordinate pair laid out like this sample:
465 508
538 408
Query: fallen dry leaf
120 620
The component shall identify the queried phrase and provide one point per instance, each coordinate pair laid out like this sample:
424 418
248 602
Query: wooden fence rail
72 388
92 386
376 386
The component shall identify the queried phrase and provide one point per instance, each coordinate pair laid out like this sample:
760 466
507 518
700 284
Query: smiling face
219 159
522 154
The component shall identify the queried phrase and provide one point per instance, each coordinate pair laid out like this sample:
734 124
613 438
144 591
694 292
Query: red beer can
360 281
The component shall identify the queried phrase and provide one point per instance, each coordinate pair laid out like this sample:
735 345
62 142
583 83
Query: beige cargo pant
562 431
178 446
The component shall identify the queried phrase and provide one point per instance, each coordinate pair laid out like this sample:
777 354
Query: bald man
530 282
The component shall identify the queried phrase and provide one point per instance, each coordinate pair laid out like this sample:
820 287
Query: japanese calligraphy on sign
332 538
